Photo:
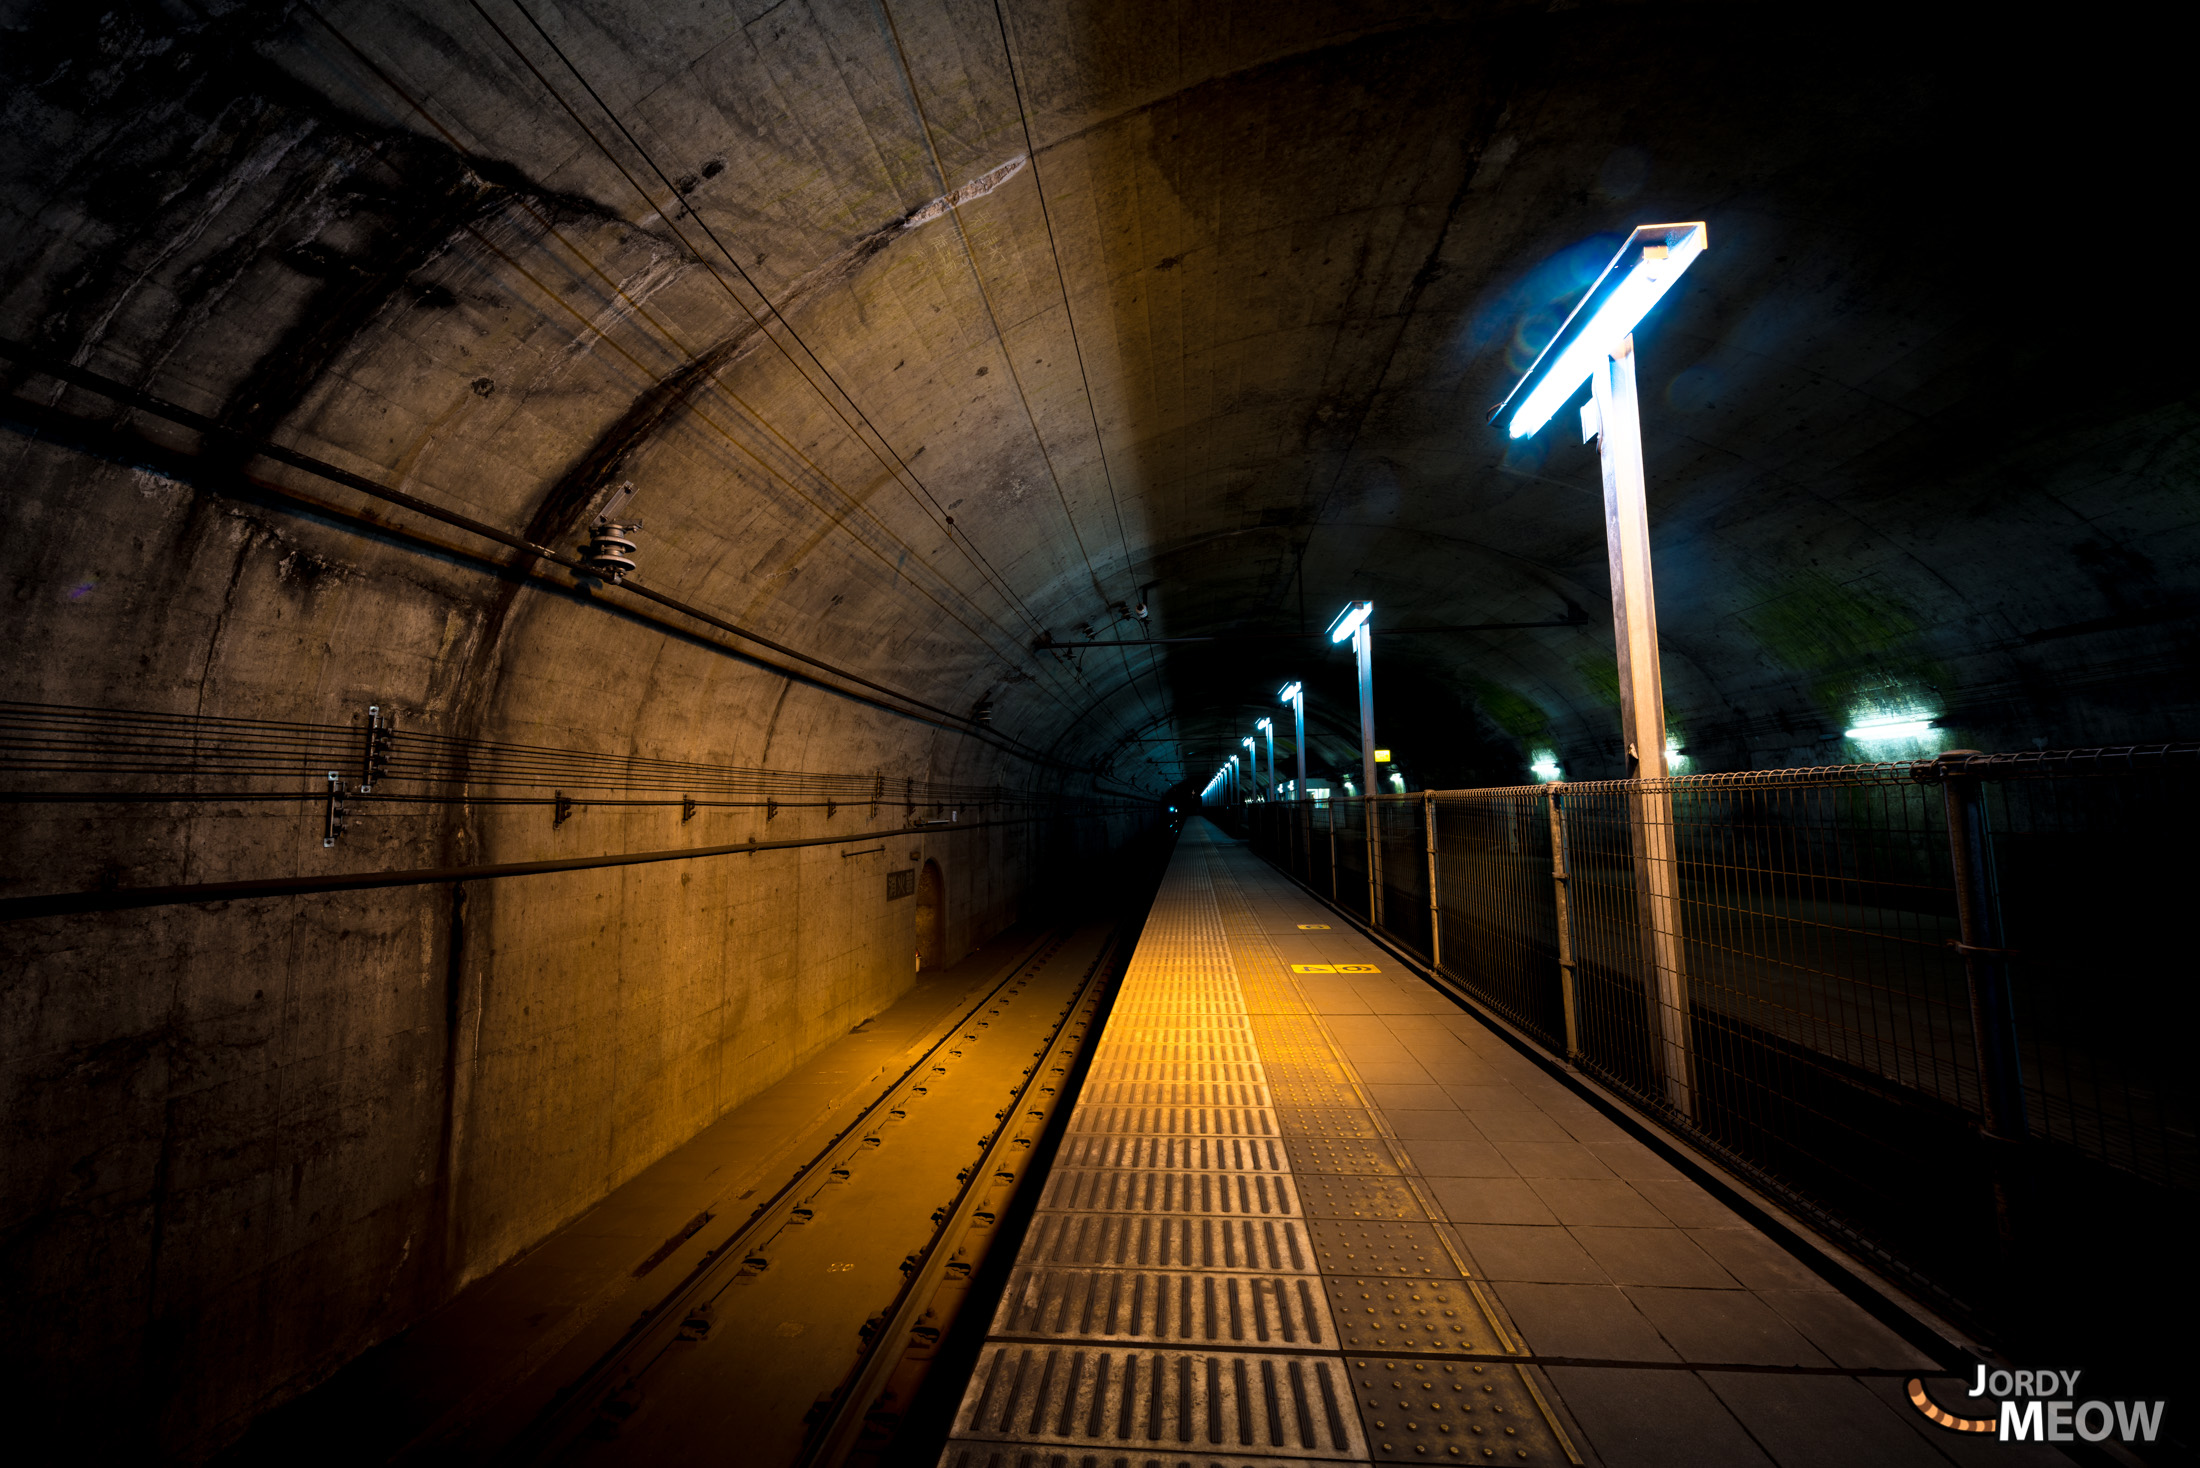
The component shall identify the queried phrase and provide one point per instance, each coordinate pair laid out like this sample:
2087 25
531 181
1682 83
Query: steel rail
579 1403
837 1434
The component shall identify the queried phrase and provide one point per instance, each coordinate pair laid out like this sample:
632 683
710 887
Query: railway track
837 1291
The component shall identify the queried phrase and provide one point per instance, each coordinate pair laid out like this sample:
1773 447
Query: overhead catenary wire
985 296
587 325
883 451
47 422
1069 314
558 299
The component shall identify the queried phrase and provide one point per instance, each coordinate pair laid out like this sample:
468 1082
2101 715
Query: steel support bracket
333 825
381 741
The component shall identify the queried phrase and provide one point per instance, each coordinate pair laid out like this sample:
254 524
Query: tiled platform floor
1309 1210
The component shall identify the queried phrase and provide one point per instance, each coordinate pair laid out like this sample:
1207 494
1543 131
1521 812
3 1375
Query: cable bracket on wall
333 826
381 741
563 811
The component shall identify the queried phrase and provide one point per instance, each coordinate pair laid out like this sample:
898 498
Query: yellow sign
1382 756
1334 968
1313 927
1357 968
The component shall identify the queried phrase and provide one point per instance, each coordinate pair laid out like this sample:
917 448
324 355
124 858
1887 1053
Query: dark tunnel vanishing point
623 618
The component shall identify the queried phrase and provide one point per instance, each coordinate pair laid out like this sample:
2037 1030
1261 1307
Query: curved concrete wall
832 349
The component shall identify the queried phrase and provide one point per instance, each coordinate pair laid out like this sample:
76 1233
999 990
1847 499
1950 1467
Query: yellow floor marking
1313 968
1313 927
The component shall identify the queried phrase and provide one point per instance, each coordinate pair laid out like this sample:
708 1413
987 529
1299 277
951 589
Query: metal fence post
1565 923
1332 804
1986 976
1435 905
1985 967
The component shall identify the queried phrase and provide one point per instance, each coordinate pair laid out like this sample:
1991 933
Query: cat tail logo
1949 1420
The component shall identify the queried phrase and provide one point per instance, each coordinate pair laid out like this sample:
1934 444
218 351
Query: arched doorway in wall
931 917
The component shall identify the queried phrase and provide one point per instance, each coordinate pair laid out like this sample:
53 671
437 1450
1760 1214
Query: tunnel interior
568 558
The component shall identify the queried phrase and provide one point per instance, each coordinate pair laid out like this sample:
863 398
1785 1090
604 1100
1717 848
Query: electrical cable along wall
1936 1008
118 751
322 374
90 757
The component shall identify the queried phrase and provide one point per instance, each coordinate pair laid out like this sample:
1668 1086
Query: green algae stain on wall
1601 673
1511 712
1853 643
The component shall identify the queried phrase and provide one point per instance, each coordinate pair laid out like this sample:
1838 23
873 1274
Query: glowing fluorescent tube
1641 273
1289 692
1882 731
1349 620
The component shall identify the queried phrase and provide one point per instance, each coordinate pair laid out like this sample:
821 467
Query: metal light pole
1352 622
1294 694
1597 345
1268 728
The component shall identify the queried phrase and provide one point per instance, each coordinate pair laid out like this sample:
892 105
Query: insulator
610 551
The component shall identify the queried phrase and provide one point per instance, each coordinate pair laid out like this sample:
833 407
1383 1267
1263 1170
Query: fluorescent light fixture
1264 725
1890 729
1673 755
1289 692
1397 781
1638 277
1349 620
1545 766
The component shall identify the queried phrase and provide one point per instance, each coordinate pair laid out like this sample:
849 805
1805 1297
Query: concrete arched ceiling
929 331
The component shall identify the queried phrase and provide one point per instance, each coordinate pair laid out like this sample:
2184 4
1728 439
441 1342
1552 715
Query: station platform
1309 1209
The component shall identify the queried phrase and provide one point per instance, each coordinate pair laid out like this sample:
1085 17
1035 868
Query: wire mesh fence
1920 1043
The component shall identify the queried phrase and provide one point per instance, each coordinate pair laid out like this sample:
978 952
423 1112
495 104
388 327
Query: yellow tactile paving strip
1229 1256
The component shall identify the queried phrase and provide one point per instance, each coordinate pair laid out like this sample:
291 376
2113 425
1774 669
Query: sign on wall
901 884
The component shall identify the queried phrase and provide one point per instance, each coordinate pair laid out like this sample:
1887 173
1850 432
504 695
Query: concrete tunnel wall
1303 247
246 1140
